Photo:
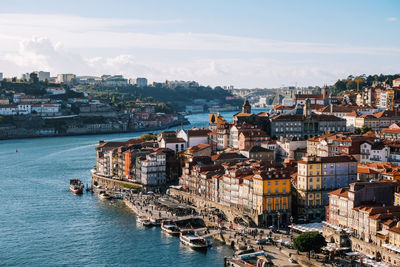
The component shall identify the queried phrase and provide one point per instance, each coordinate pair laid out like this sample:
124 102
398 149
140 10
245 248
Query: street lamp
279 217
291 225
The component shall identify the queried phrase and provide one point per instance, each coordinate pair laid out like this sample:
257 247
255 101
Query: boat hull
169 231
76 191
193 246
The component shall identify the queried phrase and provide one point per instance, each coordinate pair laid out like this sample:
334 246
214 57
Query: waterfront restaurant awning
309 227
373 263
338 228
392 247
353 253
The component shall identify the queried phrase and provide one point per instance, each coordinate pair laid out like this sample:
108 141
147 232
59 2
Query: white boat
155 222
143 220
194 241
170 228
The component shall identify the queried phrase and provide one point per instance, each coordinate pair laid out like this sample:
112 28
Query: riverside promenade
156 207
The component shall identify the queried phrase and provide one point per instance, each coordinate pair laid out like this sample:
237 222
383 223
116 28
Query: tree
33 78
365 129
308 242
148 137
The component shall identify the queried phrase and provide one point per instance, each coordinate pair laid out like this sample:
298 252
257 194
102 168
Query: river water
43 224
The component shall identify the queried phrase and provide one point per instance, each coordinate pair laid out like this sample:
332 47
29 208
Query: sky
247 44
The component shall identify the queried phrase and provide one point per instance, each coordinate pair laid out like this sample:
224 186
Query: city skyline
265 44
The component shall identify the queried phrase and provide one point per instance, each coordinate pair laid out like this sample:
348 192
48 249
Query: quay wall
198 201
110 183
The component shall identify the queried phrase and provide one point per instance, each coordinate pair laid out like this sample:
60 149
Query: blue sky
243 43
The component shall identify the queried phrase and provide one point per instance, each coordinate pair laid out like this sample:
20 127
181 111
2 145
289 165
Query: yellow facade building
272 196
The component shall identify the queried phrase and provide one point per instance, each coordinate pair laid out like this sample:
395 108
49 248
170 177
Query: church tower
325 95
307 108
246 108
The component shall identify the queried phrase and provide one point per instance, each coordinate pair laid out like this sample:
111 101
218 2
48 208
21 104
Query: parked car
292 260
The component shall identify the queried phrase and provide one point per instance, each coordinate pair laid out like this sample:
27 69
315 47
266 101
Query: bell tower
246 108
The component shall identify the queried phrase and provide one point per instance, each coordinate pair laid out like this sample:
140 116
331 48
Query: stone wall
112 183
372 250
230 212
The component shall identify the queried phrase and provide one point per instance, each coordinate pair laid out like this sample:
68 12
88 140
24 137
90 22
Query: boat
155 222
194 241
170 228
143 220
76 186
104 195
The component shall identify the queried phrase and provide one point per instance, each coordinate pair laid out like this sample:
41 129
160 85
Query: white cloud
83 32
391 19
96 46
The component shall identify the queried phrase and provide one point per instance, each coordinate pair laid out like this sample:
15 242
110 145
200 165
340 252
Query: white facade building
140 82
153 169
65 78
24 109
46 108
374 152
8 110
42 75
194 137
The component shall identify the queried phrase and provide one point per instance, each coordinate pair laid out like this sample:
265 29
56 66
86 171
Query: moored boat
143 220
76 186
194 241
155 222
170 228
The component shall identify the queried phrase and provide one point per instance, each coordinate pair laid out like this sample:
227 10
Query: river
43 224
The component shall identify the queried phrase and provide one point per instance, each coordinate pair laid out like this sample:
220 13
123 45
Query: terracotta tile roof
227 156
310 96
111 144
259 149
341 192
174 140
198 132
198 147
241 114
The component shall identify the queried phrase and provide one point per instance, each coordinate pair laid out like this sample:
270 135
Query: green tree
365 129
33 78
148 137
308 242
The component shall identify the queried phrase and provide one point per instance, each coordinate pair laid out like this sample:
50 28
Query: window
276 182
182 147
284 191
277 191
269 191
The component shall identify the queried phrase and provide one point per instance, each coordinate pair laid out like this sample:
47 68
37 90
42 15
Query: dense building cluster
316 161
